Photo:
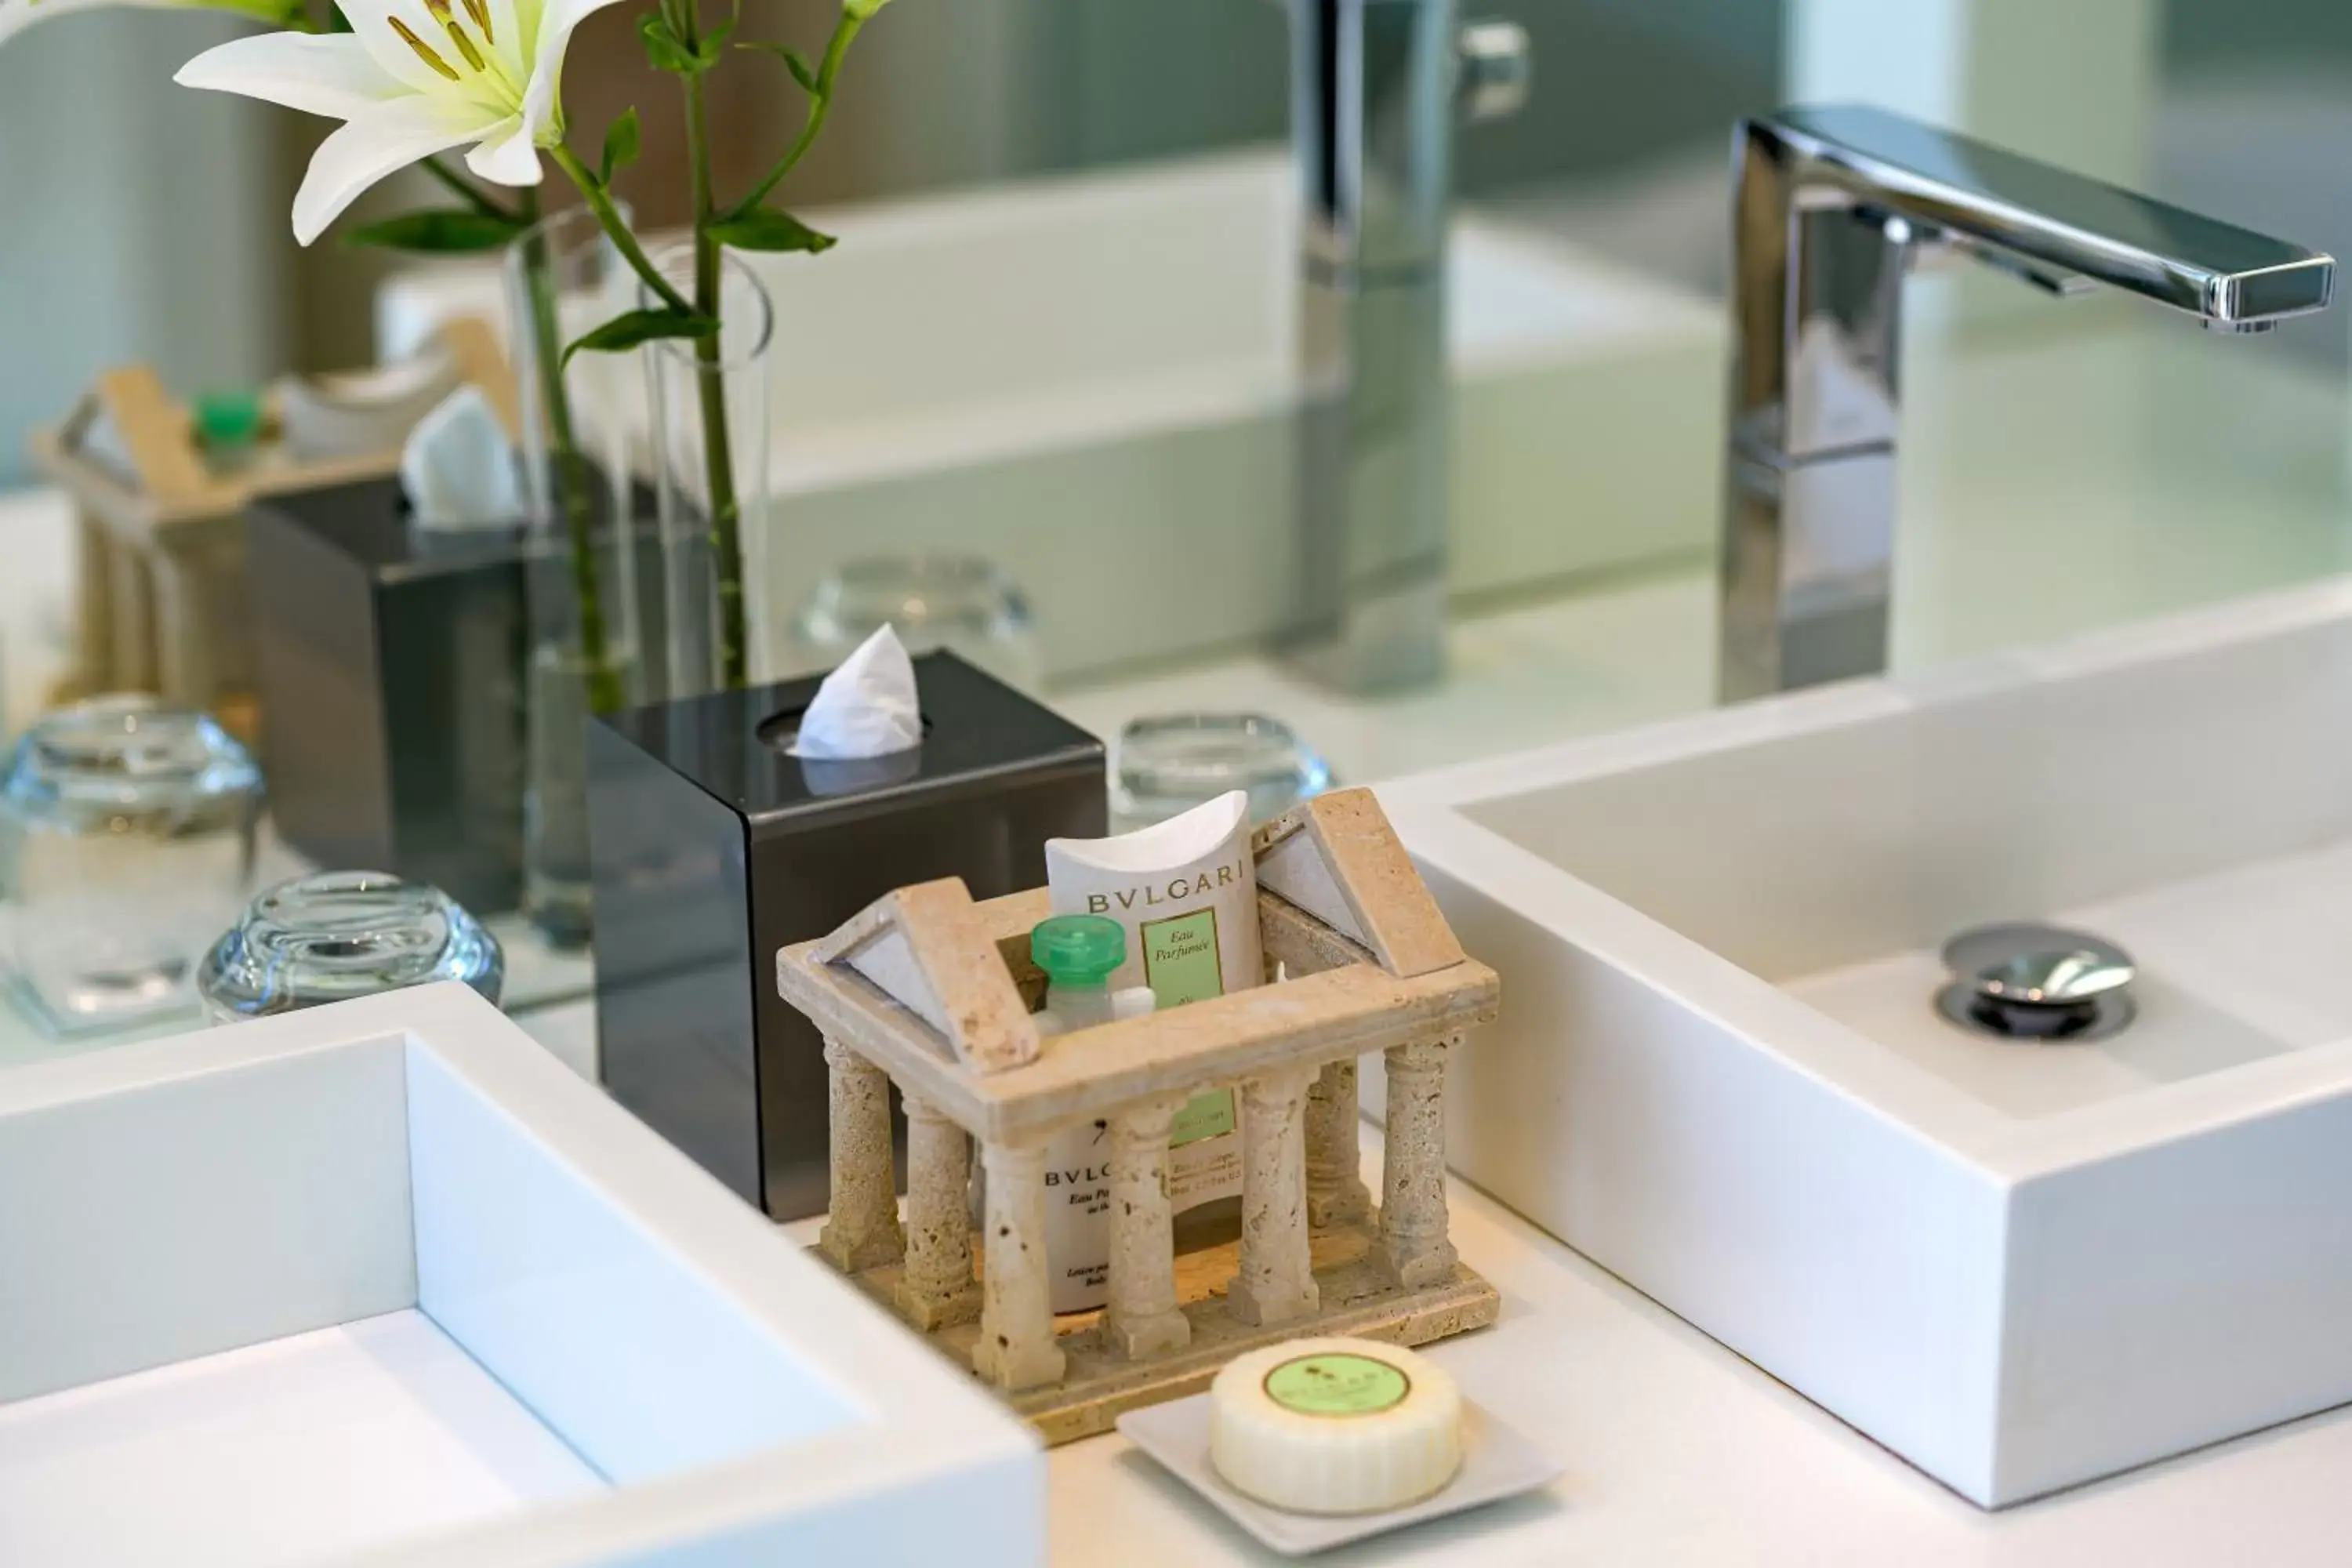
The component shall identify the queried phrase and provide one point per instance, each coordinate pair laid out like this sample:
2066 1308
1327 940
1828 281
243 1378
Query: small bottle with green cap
1080 953
232 426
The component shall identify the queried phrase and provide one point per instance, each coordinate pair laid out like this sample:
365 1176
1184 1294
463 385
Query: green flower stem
820 105
474 197
725 510
570 482
608 216
710 375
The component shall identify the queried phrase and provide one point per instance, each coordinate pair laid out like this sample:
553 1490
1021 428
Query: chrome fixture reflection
1376 86
1830 208
2032 981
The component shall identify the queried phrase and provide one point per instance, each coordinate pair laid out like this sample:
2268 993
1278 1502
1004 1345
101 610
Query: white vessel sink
386 1278
1081 374
1720 1073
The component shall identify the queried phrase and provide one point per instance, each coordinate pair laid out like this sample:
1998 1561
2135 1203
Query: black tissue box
714 847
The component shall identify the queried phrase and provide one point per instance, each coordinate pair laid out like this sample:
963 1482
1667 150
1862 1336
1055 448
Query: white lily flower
412 79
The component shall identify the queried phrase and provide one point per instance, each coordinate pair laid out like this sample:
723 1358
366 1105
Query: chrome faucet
1830 208
1376 86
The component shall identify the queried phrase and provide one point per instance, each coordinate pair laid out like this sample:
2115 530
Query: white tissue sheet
459 469
867 708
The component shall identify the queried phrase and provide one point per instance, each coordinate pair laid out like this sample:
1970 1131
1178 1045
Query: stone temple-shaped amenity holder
932 993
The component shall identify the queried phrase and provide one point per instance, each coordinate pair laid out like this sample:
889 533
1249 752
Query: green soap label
1336 1385
1179 958
1209 1115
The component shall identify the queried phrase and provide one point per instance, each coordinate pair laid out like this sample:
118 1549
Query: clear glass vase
584 512
710 410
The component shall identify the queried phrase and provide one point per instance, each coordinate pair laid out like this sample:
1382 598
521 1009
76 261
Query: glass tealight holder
1166 764
961 603
127 838
334 935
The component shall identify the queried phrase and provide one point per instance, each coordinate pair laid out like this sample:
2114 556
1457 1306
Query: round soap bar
1335 1426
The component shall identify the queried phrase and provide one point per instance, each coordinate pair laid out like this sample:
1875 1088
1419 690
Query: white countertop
1678 1453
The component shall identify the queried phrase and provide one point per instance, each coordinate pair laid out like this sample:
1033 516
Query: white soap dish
1497 1462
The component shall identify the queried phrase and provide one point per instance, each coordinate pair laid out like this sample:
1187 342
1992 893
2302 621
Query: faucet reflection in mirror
1830 206
1376 86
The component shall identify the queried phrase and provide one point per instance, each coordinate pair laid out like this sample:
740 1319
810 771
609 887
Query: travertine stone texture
1393 907
1087 1075
1142 1320
1016 1350
961 986
938 1288
1276 1281
1413 1187
1335 1188
861 1229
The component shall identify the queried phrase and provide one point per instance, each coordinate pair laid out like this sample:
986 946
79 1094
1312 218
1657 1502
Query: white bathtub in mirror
1096 373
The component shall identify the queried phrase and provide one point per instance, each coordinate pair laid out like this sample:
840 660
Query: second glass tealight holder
1166 764
335 935
961 603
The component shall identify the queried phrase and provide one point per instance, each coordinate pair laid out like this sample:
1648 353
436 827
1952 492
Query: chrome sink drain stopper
2028 982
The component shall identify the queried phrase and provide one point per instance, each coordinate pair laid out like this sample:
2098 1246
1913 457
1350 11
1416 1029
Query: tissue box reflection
714 847
390 670
389 662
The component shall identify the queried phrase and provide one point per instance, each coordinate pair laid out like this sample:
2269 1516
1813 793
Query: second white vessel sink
1721 1073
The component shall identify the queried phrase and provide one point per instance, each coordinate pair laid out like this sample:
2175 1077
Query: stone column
131 661
861 1226
938 1288
1412 1178
1335 1185
94 621
1276 1282
184 665
1016 1348
1143 1319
